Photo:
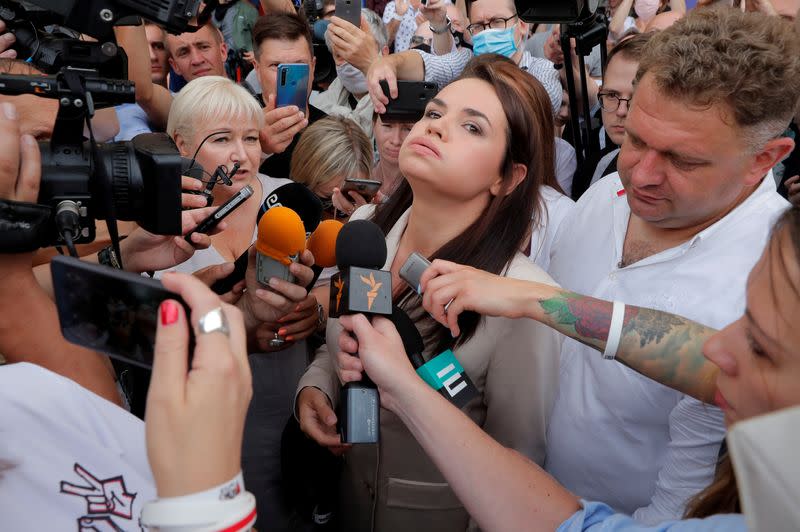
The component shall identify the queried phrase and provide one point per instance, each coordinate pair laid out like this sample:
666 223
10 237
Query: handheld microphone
298 198
443 372
322 244
281 239
292 195
360 286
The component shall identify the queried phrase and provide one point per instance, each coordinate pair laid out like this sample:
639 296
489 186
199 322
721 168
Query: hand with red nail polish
293 327
203 401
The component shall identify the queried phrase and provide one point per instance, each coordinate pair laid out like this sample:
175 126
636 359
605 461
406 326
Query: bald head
663 21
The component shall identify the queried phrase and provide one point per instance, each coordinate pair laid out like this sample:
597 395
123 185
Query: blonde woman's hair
211 99
333 147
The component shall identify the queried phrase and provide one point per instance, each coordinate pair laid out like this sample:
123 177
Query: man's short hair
376 26
281 27
159 26
630 48
748 62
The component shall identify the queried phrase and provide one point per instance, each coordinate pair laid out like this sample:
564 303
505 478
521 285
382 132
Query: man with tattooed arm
677 229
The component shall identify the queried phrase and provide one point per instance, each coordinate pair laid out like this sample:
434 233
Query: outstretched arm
662 346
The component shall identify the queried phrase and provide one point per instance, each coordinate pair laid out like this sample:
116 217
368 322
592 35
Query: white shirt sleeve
696 430
442 69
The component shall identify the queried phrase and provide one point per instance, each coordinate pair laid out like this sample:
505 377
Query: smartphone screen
292 85
367 188
108 310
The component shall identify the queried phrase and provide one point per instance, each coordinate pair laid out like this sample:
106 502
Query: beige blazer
394 486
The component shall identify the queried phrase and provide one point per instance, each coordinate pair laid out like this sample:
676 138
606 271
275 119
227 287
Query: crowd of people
630 347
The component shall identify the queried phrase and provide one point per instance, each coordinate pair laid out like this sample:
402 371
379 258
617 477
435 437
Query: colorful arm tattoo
662 346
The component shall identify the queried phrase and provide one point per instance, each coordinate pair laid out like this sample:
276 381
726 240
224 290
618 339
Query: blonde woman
329 151
216 122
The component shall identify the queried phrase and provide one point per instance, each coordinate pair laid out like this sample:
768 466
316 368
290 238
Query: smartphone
292 85
110 311
412 270
226 284
367 188
224 210
412 98
349 10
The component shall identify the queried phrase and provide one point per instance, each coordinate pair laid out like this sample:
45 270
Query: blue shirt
132 121
599 517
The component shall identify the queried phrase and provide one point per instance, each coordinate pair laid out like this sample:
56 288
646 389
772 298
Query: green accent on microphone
430 370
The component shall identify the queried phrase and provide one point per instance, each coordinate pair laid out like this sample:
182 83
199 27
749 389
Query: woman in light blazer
474 165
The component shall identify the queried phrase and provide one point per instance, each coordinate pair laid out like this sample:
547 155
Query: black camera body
83 181
137 180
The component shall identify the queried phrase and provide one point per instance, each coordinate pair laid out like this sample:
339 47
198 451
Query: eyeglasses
498 23
610 102
416 40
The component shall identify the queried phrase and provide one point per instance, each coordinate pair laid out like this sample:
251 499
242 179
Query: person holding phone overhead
475 164
353 49
281 39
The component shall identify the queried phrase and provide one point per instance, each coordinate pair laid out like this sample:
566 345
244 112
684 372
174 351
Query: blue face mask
495 42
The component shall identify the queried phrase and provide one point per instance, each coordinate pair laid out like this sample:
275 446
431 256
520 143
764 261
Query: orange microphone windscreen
281 234
322 243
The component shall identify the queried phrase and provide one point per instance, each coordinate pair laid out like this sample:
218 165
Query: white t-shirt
557 207
69 459
614 435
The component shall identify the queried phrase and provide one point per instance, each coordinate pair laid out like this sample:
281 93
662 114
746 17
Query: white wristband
225 507
232 515
398 17
226 490
615 331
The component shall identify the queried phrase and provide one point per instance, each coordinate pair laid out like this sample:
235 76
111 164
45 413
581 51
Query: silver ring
213 321
447 306
277 341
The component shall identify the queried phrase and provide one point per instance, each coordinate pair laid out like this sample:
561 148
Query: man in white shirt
678 229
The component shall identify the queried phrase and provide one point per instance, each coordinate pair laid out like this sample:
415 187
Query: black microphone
298 198
443 372
360 286
291 195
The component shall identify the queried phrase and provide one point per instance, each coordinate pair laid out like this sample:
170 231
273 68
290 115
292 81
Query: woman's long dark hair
491 242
